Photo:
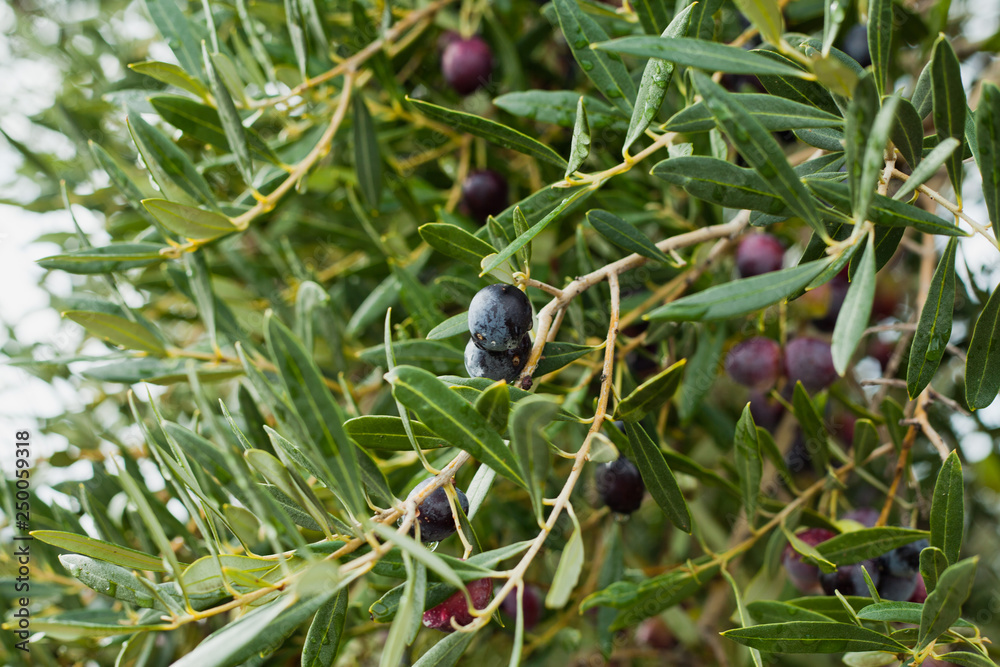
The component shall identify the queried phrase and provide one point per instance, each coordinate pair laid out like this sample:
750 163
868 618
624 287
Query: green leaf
880 26
322 417
655 81
950 105
934 325
558 107
899 612
568 570
866 439
966 659
860 545
709 56
579 147
367 161
856 309
112 553
106 259
520 227
178 33
774 113
651 394
494 405
88 624
988 138
415 352
111 580
720 182
928 167
420 553
527 440
172 75
490 130
453 326
701 371
323 638
866 144
447 651
766 16
118 330
169 166
932 563
948 509
759 149
908 134
944 604
749 465
811 421
813 637
658 477
794 88
740 297
886 211
607 72
188 221
773 611
982 366
232 124
453 419
662 592
202 122
556 355
381 432
624 235
808 551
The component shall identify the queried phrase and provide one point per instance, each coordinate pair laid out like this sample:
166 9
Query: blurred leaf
453 419
709 56
322 641
948 509
655 80
860 545
651 394
658 477
188 221
494 405
607 71
568 570
559 108
949 104
749 466
113 257
490 130
452 326
232 124
982 366
701 370
367 161
447 651
178 32
202 122
658 593
866 439
169 166
88 546
934 325
899 612
625 235
765 15
528 441
944 604
967 659
118 330
414 352
856 310
813 637
988 138
172 75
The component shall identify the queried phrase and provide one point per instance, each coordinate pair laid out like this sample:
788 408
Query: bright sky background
30 87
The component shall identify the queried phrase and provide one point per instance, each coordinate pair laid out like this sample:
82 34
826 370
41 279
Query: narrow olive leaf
448 415
885 211
858 121
934 325
169 166
200 121
118 330
808 551
899 612
927 167
944 604
367 161
579 147
740 297
743 614
908 133
89 546
407 616
492 131
949 105
523 239
988 138
966 659
813 428
865 440
528 442
982 366
558 107
624 235
813 637
520 227
178 33
293 20
651 394
111 580
321 415
721 182
106 259
455 242
873 160
932 563
172 75
703 18
446 652
856 310
606 71
655 81
658 477
765 15
759 149
661 592
948 509
749 465
189 221
232 124
773 611
568 570
794 88
859 545
709 56
556 355
452 326
374 432
774 113
515 652
128 189
494 405
880 26
323 637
